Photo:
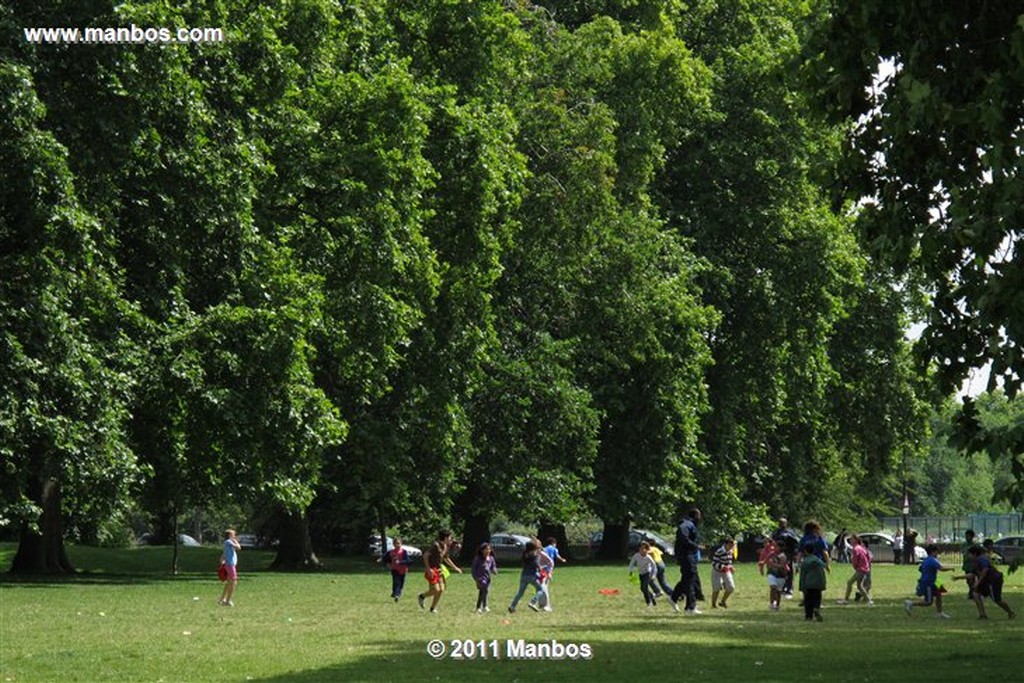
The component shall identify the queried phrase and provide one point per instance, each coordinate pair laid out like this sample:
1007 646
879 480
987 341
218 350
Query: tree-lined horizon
448 261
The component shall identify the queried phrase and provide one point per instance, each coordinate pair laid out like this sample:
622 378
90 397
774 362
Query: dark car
1009 548
636 537
508 547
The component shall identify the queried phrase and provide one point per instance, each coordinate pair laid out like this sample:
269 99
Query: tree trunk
477 530
174 553
43 552
549 529
295 553
615 542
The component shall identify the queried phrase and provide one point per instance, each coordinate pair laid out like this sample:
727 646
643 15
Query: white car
882 545
375 550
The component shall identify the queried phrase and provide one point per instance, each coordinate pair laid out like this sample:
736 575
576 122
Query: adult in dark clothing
788 541
909 543
686 548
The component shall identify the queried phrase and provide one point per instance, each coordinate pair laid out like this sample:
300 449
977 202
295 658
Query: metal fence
951 528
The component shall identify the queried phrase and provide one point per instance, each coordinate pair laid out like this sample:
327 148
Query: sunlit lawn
127 620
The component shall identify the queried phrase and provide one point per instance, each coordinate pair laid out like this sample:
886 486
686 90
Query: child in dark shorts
987 582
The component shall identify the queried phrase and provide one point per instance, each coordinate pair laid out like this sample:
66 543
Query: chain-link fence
951 528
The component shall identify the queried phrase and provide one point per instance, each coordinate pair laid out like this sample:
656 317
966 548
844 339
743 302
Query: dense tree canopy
390 264
933 97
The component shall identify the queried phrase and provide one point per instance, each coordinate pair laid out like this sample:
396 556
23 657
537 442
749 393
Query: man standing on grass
687 547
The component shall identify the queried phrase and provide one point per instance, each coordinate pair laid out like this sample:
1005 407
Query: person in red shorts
437 562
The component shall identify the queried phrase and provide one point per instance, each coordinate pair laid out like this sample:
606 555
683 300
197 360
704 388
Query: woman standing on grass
229 558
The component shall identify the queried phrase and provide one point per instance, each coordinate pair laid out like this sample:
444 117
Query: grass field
125 619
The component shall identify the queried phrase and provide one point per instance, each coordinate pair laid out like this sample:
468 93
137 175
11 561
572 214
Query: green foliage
66 368
394 263
932 156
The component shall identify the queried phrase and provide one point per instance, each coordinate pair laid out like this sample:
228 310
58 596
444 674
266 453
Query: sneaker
395 598
419 599
871 603
841 602
817 615
547 608
723 605
511 610
675 605
533 606
774 607
487 609
433 610
907 606
479 610
694 611
1012 615
942 615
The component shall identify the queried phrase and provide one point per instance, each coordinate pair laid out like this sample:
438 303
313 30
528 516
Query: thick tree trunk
295 553
615 542
476 531
43 552
548 529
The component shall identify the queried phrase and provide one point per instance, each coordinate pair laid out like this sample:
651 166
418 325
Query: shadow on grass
753 658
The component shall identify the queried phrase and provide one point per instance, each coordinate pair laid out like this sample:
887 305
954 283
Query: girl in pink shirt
861 561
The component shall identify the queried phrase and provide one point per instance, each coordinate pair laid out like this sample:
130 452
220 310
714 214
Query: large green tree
786 274
933 99
65 366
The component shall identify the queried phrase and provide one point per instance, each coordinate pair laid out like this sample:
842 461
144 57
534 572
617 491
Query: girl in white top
643 563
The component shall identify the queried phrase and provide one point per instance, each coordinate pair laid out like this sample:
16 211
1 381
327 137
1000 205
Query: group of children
538 564
647 567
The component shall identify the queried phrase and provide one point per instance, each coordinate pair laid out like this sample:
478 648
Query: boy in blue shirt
927 586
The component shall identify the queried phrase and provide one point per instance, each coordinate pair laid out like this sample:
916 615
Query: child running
660 585
927 587
774 562
397 560
986 582
643 563
530 576
860 558
437 561
722 573
484 567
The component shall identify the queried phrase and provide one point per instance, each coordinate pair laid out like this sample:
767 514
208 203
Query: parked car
1009 548
247 540
636 537
183 540
881 546
375 549
508 547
